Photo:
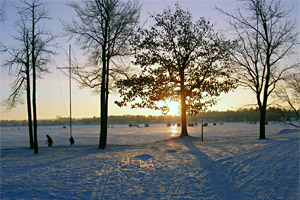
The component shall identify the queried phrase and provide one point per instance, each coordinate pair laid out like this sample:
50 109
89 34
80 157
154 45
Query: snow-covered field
147 163
12 137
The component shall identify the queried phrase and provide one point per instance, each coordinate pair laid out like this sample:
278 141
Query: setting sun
173 108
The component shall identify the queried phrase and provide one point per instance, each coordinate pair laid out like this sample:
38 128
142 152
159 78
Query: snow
289 131
231 163
12 137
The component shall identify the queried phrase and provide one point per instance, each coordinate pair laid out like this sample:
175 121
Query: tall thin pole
70 92
70 77
202 124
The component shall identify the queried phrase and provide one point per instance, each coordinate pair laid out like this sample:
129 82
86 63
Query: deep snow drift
240 167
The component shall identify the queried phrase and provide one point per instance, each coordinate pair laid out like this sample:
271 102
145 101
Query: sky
53 89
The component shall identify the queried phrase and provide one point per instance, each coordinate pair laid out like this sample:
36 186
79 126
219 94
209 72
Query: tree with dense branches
180 61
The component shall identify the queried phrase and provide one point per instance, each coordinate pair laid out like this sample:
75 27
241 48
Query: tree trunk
34 112
106 99
103 130
263 111
104 90
102 142
28 93
33 60
184 131
262 128
31 143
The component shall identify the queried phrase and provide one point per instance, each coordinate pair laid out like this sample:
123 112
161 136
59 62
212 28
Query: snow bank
220 168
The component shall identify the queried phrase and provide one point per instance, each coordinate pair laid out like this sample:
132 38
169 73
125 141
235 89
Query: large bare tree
266 36
28 60
180 61
102 30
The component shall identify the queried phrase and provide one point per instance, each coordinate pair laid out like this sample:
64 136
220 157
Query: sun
173 108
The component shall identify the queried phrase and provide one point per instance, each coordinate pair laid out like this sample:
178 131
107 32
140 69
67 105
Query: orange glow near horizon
85 105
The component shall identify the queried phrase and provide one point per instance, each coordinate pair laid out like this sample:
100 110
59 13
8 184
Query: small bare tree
102 31
265 36
287 96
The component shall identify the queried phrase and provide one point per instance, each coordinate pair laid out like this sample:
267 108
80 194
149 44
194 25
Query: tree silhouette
265 37
102 31
288 96
29 59
180 61
20 67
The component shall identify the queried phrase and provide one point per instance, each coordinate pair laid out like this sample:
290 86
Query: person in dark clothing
49 141
72 141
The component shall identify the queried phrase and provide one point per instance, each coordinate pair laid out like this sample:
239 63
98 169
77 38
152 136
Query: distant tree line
250 115
242 115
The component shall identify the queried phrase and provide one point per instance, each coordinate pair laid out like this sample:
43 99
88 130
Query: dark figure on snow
72 141
49 141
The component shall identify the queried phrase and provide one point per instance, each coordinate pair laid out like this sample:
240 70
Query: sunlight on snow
174 131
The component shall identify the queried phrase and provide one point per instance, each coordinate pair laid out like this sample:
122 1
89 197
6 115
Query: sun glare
173 108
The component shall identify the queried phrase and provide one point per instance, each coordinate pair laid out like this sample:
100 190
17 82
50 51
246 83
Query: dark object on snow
72 141
49 141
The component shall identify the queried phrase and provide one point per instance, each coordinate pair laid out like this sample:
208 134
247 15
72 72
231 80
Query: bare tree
29 59
265 36
20 67
41 43
287 96
102 31
181 61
